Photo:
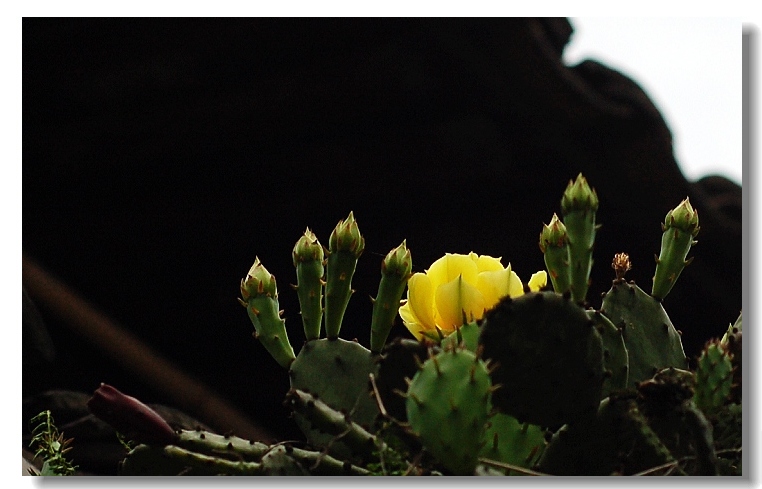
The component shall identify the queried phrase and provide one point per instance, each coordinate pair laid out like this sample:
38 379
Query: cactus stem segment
680 226
578 206
396 269
345 247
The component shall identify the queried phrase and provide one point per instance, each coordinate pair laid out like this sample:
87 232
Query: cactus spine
308 260
578 206
680 226
260 297
346 244
395 271
554 244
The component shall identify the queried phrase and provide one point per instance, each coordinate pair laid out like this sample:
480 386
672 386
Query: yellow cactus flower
457 289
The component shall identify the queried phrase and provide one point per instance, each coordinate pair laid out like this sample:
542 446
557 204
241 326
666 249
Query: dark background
161 156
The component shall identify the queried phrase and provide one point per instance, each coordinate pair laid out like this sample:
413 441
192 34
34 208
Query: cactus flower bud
130 417
346 237
398 261
308 248
258 282
554 244
683 217
553 234
579 196
395 271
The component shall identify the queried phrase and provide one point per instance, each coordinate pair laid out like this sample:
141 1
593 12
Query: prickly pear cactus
466 335
511 442
714 377
335 370
732 341
345 247
548 356
326 420
615 356
554 244
308 260
174 460
652 341
279 462
447 407
200 452
578 206
680 226
395 272
259 294
397 364
617 440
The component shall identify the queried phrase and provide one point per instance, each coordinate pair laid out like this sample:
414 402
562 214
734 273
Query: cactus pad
652 341
336 371
278 461
549 358
466 335
447 405
732 341
714 377
398 362
617 439
615 356
511 442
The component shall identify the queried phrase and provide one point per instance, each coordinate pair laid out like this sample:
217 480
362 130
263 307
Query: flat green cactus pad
549 358
652 341
337 371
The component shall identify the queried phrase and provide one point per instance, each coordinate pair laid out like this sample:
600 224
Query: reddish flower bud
130 417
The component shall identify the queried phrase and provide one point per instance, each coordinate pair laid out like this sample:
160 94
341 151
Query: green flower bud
308 248
553 234
579 196
346 237
683 217
258 282
554 244
398 262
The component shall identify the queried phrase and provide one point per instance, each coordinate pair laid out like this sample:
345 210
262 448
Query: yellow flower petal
516 288
456 298
411 322
486 263
494 285
420 300
538 281
449 267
